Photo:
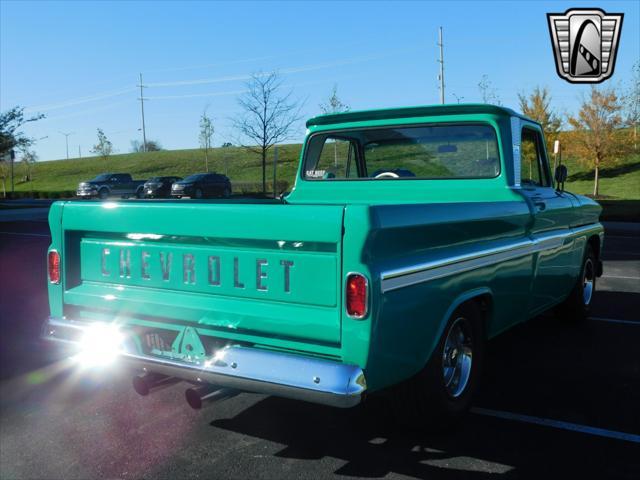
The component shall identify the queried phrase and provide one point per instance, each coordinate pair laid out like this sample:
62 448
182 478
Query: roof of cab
418 111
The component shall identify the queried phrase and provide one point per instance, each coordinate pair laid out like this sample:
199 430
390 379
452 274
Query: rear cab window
397 153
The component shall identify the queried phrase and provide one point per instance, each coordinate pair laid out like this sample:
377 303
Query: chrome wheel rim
588 282
457 357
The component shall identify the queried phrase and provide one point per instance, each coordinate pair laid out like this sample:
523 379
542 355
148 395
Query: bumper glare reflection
99 346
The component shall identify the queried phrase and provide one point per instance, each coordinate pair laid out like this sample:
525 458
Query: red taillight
357 295
54 266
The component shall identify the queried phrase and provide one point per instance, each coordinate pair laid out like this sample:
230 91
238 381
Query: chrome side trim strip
400 272
424 272
247 369
448 267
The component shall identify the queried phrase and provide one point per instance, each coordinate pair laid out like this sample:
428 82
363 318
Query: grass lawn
237 163
617 182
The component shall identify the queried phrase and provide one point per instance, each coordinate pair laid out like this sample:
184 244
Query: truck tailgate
271 270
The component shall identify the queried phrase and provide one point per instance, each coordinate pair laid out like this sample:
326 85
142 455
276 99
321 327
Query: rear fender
463 298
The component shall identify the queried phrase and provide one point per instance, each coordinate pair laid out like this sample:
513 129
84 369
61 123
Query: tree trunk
206 160
264 171
596 182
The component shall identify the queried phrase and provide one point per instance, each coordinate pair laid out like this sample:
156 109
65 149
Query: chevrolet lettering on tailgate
212 268
412 237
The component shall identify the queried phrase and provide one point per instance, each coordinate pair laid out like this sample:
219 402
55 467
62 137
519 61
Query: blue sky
78 62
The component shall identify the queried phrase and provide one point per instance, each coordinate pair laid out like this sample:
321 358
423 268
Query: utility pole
144 132
66 137
441 61
79 152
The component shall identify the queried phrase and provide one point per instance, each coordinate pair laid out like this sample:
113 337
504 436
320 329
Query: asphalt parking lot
556 400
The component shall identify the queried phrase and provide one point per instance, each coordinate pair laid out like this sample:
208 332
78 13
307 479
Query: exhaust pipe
148 382
197 397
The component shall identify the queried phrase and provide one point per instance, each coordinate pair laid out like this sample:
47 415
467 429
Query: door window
532 161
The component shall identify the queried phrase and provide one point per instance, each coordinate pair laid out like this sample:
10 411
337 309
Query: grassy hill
238 164
620 181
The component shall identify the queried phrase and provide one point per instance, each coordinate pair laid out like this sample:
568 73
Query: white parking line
614 320
630 237
546 422
26 234
619 276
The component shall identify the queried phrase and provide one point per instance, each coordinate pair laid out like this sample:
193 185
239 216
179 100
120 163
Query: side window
532 168
337 159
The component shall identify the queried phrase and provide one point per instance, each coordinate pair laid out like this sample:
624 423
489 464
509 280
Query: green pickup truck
411 237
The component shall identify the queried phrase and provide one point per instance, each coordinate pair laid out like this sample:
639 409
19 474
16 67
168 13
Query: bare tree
205 137
268 116
597 130
104 147
488 92
334 104
537 105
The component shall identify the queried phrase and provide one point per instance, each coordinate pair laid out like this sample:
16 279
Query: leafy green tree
596 134
11 136
632 103
29 157
104 147
152 146
537 105
206 136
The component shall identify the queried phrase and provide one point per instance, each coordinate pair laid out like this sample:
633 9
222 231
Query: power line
144 131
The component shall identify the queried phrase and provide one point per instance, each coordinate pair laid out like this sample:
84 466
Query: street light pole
66 137
144 131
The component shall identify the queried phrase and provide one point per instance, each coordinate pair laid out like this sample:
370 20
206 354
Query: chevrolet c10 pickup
411 237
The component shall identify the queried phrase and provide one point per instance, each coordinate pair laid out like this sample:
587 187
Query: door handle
540 205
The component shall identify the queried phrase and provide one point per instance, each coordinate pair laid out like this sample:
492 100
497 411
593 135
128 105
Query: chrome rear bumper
246 369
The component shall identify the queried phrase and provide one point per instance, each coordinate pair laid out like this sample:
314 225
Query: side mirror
560 176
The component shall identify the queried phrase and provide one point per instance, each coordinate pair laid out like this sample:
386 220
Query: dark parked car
111 184
159 186
202 185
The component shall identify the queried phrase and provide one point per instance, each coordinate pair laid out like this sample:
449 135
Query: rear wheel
577 305
103 193
227 192
443 391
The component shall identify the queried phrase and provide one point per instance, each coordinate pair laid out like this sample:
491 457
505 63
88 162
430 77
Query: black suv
159 186
202 185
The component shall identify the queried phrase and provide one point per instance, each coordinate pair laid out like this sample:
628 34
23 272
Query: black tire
103 193
140 193
428 401
227 192
197 193
576 307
